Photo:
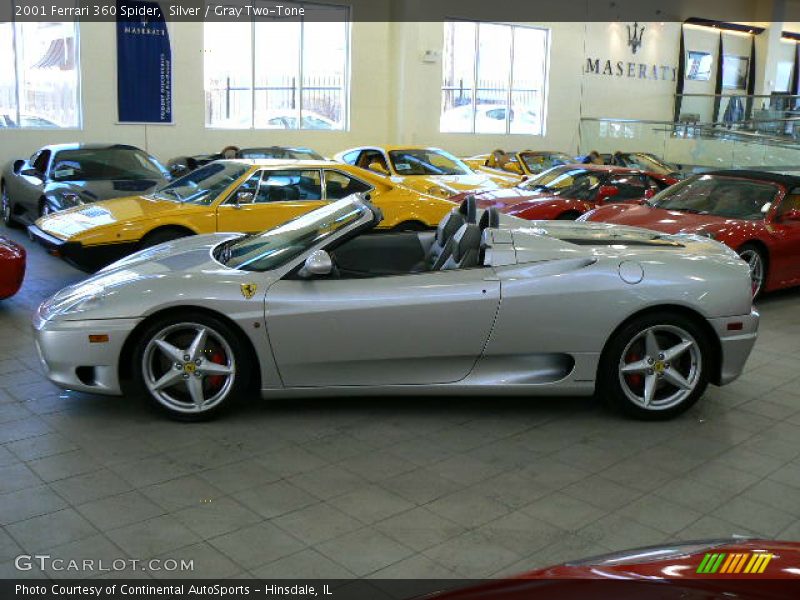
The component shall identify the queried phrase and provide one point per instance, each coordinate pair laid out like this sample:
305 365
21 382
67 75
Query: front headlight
439 191
72 301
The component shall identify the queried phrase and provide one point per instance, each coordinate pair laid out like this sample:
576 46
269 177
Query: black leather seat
464 248
448 227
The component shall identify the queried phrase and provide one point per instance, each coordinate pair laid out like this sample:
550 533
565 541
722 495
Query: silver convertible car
487 304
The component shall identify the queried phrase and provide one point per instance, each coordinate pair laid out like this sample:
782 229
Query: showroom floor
387 487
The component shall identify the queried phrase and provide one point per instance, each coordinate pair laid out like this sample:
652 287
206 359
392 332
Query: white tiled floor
388 487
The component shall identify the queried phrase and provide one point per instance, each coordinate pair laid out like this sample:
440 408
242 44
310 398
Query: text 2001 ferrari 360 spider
321 306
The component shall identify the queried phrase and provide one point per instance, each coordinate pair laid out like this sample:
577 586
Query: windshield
573 182
107 163
426 161
276 247
287 153
728 197
203 185
536 161
649 163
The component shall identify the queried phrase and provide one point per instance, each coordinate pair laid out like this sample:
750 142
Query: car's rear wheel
192 367
5 203
410 226
754 257
655 367
568 216
161 236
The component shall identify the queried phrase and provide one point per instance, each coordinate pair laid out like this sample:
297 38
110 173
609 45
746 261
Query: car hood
92 191
451 183
675 221
75 221
551 240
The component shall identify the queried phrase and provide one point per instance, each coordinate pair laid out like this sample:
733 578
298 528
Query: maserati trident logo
635 36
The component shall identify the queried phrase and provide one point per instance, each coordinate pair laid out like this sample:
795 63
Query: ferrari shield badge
248 290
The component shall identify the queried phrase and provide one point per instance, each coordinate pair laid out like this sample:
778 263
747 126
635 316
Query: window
494 78
338 185
39 81
279 73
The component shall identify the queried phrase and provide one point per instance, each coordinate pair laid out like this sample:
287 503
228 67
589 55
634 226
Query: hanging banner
144 64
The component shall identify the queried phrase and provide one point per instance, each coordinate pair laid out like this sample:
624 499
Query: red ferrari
12 267
568 191
743 569
755 213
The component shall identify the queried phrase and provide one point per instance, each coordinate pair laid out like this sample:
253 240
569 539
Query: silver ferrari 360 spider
487 304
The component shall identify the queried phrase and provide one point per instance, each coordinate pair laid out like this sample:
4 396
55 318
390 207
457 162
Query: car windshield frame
645 162
276 247
544 180
150 168
425 168
216 177
661 200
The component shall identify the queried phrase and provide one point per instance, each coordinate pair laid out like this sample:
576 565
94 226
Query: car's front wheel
193 366
655 367
755 259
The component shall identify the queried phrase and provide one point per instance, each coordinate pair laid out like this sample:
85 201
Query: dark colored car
568 191
67 175
756 213
12 267
743 569
185 164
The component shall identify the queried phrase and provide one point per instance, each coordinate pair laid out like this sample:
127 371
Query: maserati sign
631 68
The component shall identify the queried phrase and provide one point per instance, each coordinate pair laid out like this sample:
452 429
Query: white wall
395 96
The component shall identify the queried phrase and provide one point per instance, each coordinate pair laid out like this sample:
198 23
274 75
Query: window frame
510 91
300 87
18 88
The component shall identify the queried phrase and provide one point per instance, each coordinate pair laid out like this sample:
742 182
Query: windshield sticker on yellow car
248 290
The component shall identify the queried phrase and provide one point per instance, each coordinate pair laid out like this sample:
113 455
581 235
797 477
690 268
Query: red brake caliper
215 381
635 380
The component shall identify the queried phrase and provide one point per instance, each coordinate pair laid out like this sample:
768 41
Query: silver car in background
323 305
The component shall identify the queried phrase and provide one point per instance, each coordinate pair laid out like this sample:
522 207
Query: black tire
568 216
752 253
410 226
692 365
147 358
160 236
7 208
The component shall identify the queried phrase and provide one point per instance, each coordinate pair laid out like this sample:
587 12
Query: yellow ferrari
517 165
227 195
427 170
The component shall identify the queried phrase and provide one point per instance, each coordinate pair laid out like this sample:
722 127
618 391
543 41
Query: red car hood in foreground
691 571
668 221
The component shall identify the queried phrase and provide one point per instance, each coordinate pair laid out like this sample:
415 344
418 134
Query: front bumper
72 362
736 343
89 258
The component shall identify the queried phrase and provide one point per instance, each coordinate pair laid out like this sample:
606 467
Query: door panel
404 329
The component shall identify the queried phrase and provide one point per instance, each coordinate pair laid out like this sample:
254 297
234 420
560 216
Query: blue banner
144 64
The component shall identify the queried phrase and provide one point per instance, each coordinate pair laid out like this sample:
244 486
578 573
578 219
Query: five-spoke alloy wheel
656 366
758 268
192 367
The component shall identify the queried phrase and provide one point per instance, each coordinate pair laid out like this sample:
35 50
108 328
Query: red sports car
12 267
568 191
743 569
755 213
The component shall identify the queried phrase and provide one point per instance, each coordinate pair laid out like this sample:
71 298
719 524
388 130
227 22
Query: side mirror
649 193
793 214
378 168
31 172
318 264
18 166
606 191
243 198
